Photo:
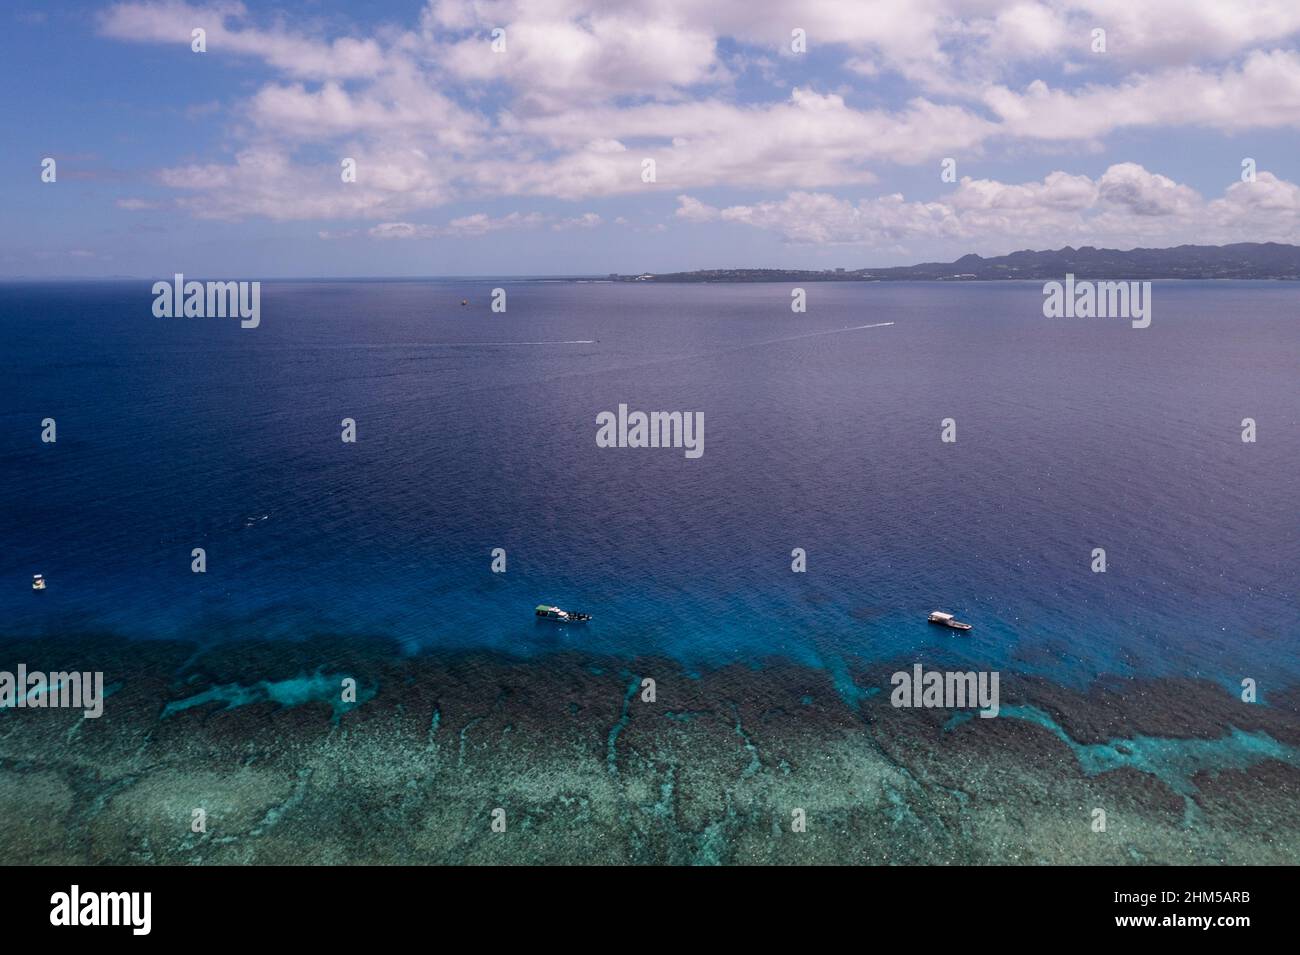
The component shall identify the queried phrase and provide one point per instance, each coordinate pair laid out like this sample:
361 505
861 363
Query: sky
812 134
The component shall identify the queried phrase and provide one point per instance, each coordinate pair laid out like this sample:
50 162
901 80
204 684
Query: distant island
1242 260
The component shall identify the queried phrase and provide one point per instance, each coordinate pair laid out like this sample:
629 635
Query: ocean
476 430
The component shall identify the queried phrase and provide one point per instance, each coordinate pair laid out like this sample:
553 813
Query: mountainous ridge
1241 260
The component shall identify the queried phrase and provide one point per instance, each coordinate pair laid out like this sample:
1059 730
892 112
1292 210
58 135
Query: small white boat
547 612
38 581
947 620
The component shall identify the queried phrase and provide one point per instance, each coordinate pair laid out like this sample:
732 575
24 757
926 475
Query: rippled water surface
477 430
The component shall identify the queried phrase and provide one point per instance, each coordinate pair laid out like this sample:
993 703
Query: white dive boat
947 620
38 581
547 612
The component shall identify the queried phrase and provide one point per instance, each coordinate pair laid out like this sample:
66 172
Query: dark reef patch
1116 708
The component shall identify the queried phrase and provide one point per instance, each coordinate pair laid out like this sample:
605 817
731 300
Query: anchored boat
38 582
547 612
947 620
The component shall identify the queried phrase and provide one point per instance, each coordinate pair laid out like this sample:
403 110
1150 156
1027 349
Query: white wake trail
578 341
829 331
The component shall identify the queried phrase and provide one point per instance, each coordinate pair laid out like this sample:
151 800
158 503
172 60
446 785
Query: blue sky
528 160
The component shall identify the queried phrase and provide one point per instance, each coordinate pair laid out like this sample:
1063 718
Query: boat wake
795 338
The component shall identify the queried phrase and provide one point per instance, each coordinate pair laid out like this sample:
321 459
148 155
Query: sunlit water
475 433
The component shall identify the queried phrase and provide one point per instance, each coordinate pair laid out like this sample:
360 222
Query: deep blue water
1072 434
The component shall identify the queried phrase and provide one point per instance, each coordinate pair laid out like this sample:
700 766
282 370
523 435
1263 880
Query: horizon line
608 276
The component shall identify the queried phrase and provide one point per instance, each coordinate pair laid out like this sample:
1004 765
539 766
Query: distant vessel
561 616
464 301
38 582
946 620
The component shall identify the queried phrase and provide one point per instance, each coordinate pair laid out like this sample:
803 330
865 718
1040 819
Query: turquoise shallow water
179 433
308 688
1172 761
